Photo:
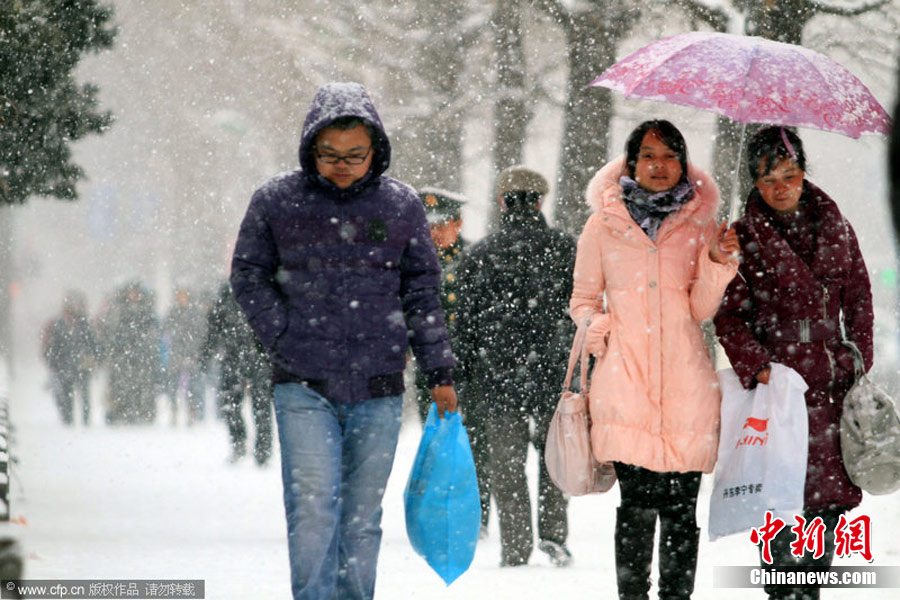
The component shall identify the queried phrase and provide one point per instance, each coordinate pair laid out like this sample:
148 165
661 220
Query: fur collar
833 257
604 193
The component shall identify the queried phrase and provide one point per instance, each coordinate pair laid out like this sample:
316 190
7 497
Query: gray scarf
649 209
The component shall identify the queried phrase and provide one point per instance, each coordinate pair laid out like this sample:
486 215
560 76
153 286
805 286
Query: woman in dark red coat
802 277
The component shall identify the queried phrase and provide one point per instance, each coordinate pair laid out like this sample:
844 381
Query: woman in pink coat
651 266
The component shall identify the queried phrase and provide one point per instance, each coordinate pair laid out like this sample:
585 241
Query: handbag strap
859 365
578 354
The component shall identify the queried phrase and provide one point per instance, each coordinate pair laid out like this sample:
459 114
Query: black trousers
673 494
65 389
647 496
509 438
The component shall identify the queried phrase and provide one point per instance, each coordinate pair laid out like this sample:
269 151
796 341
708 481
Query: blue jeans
335 463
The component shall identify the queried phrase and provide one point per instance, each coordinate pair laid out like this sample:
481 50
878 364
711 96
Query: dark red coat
785 309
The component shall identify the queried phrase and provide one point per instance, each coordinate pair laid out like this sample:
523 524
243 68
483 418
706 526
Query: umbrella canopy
750 80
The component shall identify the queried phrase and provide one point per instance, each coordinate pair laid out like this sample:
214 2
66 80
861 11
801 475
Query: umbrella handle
733 203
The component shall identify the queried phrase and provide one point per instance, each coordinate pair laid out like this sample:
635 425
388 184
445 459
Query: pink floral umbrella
750 80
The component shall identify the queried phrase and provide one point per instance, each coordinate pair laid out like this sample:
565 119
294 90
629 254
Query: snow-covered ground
162 502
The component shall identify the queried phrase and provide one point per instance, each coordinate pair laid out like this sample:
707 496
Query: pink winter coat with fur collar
654 397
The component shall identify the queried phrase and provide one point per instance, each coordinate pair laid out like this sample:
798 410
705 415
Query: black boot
678 543
635 528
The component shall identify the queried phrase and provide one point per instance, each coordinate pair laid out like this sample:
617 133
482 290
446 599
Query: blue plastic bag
443 510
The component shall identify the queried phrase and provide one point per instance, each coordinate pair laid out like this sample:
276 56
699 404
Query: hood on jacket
333 101
604 190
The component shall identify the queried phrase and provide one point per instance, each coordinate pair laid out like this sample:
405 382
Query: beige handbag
567 454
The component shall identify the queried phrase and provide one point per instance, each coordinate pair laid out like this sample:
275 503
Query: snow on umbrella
750 80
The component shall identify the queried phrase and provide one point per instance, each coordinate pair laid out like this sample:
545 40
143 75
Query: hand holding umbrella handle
725 248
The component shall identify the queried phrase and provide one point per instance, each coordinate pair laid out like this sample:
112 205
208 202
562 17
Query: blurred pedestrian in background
131 344
244 370
71 352
443 209
183 333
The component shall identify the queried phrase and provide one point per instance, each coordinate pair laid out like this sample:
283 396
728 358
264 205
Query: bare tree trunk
779 20
438 143
592 40
585 140
511 111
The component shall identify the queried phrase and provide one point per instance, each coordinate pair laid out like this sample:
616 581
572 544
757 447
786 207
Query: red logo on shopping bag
758 436
759 425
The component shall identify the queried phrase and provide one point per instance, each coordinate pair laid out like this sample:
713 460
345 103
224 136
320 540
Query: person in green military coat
444 212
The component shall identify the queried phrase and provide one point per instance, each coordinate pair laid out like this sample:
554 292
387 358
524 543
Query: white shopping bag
762 452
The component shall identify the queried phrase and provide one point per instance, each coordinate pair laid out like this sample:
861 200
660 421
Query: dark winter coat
70 348
228 334
512 330
184 330
798 284
337 283
131 341
132 347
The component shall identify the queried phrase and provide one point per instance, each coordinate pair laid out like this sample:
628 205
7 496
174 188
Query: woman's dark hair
771 146
668 134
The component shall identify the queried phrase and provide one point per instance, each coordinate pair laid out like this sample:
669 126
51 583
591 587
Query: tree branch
828 9
556 10
714 17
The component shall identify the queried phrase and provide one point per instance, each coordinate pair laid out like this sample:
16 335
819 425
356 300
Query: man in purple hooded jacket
336 273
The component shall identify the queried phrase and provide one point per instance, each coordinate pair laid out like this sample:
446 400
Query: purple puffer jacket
784 309
338 283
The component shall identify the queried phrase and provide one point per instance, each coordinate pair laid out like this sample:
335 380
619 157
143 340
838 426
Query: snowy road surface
162 502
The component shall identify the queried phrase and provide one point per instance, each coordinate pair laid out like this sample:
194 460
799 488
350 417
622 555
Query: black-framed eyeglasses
352 159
